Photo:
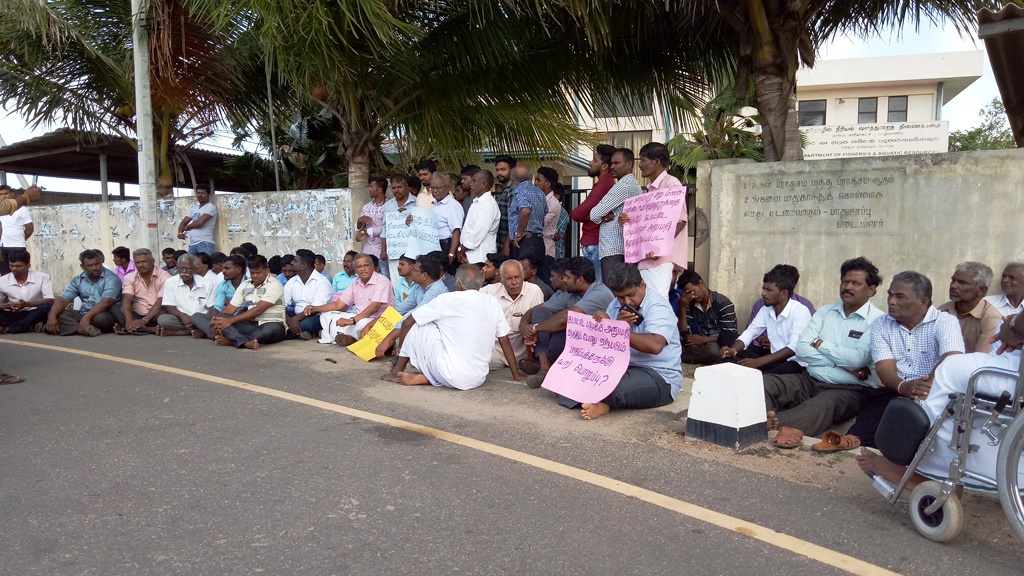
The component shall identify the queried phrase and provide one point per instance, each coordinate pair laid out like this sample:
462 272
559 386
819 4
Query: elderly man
100 292
978 317
1011 301
142 296
526 213
480 229
836 346
449 339
449 216
343 321
29 296
307 288
426 275
600 168
654 375
185 295
606 213
515 296
707 320
262 322
8 206
200 224
17 228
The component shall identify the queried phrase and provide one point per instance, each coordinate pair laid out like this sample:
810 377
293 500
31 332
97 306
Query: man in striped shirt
610 244
707 320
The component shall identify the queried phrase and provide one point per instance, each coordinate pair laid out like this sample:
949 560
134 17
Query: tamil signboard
890 139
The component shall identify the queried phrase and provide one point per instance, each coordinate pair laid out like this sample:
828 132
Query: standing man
29 296
547 180
1011 301
307 288
370 225
425 170
449 216
185 295
526 215
17 228
142 296
100 292
464 191
401 202
978 318
606 212
200 224
480 231
600 168
506 188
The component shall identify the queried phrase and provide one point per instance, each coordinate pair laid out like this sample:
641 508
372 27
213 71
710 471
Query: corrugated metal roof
1003 33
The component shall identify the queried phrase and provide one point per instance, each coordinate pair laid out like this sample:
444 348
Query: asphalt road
110 468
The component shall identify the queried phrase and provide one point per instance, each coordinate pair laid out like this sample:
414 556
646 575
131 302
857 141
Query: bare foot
161 331
198 334
773 420
594 411
221 341
408 379
391 377
870 462
344 340
252 345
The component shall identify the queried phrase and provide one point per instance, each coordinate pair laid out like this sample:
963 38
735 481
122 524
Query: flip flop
10 378
836 442
788 438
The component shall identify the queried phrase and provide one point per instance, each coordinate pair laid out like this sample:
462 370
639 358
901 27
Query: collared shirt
122 272
271 291
718 318
503 199
316 291
551 223
392 206
449 216
108 285
916 351
372 243
1003 304
205 232
610 238
342 280
13 234
530 297
978 325
527 196
590 231
845 343
783 329
376 289
145 295
225 292
680 254
658 319
560 228
402 289
760 304
480 233
37 286
189 300
418 297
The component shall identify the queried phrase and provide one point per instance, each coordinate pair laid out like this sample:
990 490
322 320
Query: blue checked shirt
418 297
916 351
610 237
108 285
527 196
560 228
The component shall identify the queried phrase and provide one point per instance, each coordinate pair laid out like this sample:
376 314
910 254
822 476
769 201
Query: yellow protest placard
366 347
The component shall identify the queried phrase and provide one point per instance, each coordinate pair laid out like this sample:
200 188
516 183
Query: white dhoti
951 377
330 329
426 351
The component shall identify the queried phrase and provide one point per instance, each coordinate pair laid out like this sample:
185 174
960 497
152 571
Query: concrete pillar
727 407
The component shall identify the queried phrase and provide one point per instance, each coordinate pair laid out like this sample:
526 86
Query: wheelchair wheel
1007 466
945 524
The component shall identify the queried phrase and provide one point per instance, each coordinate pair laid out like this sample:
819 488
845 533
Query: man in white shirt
184 295
515 296
449 216
480 231
450 339
17 228
307 288
200 224
1011 301
29 296
784 319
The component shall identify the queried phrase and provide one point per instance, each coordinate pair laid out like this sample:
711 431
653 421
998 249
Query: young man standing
401 202
600 168
370 225
606 212
200 223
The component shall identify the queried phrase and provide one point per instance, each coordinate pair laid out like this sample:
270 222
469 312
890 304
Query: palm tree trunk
776 102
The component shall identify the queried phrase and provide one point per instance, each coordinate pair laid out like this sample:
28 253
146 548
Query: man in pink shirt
657 271
343 321
142 296
600 168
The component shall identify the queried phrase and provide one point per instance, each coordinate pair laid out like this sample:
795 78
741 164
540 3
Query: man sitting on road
516 297
978 317
531 274
761 344
261 323
1011 301
185 295
142 296
707 320
426 273
170 260
403 284
836 347
344 320
654 375
29 295
232 269
449 339
98 288
307 288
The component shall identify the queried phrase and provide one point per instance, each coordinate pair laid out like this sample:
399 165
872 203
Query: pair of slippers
789 438
122 332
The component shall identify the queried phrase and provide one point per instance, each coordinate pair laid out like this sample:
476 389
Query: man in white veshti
450 338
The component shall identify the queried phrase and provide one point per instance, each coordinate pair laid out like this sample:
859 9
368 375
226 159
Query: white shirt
449 215
480 231
14 228
189 300
37 286
783 330
213 278
316 291
1002 303
205 232
530 297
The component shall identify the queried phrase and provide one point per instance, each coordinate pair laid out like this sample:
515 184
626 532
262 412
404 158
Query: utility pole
149 236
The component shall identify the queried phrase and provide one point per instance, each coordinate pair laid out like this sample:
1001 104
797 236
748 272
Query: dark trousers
702 353
608 261
531 244
551 343
545 268
750 353
19 321
309 324
810 405
447 248
640 388
70 318
123 322
868 419
241 332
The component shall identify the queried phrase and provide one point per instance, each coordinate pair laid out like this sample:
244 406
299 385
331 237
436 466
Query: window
897 109
811 112
616 108
867 110
632 140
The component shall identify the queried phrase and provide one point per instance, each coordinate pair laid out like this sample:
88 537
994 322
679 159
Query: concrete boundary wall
924 212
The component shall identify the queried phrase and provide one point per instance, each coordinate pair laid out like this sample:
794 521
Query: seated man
319 264
29 295
204 269
978 317
907 344
344 320
142 296
307 288
783 318
261 323
1011 301
426 275
761 344
170 260
654 375
515 297
185 295
531 273
286 269
707 320
491 267
836 347
449 339
123 265
403 285
544 326
348 273
98 288
231 269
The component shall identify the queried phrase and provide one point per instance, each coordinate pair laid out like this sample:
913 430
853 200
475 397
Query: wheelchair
905 435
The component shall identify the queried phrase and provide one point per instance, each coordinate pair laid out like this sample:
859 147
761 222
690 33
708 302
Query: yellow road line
767 535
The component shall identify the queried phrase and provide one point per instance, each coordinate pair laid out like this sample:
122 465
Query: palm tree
722 133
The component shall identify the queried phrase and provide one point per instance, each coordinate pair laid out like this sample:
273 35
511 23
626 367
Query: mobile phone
639 316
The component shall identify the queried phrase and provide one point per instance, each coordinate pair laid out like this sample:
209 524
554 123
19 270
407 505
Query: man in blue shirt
526 215
98 288
348 273
234 272
427 285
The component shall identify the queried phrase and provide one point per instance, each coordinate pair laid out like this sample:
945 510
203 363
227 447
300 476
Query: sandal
10 378
788 438
836 442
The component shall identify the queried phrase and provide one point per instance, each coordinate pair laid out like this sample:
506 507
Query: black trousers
531 244
22 320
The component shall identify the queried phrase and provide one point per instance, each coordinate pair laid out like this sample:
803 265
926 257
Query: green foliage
992 134
720 133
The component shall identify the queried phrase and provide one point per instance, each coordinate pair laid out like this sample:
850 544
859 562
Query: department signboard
890 139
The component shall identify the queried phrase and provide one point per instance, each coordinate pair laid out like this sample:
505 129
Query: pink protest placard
652 223
596 356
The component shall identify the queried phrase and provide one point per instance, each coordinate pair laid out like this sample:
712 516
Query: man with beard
978 318
504 191
600 168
